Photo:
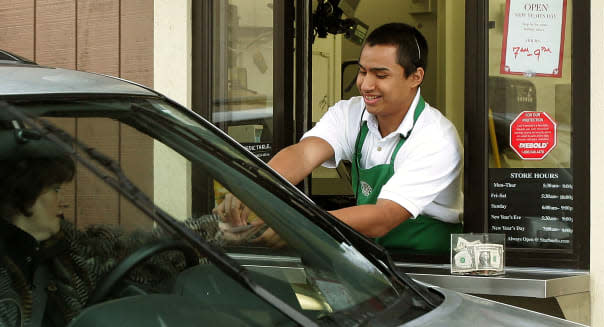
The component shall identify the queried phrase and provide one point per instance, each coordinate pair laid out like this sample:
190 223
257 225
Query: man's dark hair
412 48
23 180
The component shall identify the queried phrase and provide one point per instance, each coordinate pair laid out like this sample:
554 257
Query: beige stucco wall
172 77
597 162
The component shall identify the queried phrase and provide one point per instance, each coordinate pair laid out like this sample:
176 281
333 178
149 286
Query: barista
406 156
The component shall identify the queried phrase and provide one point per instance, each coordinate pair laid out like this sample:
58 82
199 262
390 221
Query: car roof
20 76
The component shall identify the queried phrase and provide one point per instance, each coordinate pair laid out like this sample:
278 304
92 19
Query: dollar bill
489 257
477 257
462 243
463 261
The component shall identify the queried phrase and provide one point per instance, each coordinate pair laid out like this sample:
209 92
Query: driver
48 268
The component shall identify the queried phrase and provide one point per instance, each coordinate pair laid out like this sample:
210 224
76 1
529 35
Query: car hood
460 309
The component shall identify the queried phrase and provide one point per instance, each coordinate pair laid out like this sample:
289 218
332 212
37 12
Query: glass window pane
302 264
529 117
243 73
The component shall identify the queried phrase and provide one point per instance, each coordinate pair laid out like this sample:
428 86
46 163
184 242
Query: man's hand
242 234
232 211
256 232
269 238
235 226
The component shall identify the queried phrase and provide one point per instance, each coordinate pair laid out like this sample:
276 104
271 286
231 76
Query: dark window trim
283 74
202 22
580 116
475 120
476 146
202 86
303 75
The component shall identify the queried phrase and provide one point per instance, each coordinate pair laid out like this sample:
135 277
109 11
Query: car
149 166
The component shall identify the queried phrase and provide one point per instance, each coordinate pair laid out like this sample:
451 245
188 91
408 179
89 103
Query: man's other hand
232 211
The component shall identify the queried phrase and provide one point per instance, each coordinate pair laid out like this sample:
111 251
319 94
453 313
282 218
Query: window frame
206 17
476 138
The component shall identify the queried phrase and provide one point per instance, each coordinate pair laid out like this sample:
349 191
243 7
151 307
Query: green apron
423 234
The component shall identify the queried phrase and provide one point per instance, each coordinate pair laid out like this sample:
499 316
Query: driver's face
45 220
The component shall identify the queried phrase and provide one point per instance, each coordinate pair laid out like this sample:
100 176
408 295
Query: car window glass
192 172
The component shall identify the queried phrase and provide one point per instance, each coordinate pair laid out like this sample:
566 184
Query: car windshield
202 178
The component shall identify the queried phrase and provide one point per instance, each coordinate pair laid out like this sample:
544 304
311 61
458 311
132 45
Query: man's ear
417 77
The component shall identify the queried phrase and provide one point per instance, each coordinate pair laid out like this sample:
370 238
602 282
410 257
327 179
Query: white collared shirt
427 168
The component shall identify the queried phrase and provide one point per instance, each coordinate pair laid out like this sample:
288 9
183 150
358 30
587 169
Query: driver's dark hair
23 180
412 48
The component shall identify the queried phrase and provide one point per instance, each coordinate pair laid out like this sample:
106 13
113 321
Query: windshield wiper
122 184
431 299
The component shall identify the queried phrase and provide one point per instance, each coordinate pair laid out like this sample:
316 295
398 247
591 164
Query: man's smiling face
382 82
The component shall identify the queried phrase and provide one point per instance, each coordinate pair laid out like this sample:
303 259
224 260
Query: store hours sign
534 208
533 37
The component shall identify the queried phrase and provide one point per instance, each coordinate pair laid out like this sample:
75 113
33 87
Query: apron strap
419 108
358 145
418 111
362 135
356 167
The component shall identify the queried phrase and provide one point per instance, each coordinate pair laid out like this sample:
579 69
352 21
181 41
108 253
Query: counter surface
528 282
517 281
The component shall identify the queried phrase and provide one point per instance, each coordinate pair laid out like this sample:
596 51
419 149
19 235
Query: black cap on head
412 47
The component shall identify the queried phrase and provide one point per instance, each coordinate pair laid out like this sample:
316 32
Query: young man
406 156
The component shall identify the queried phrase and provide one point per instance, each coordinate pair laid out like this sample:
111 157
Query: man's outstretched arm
373 220
294 163
297 161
